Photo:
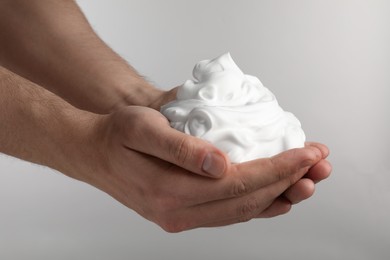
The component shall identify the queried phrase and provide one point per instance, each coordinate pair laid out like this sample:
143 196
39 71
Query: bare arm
40 127
51 43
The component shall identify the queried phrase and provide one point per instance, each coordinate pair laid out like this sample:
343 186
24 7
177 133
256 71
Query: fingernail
214 164
310 162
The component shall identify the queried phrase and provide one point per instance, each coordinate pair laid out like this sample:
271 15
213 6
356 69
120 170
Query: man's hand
299 191
149 167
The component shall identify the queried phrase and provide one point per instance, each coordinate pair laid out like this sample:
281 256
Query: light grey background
328 62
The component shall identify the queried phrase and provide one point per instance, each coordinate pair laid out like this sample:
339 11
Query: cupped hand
299 191
158 172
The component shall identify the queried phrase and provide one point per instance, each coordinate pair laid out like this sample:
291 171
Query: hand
149 167
299 191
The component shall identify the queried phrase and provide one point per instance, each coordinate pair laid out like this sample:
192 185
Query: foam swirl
233 111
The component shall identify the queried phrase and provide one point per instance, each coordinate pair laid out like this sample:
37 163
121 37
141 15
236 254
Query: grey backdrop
326 61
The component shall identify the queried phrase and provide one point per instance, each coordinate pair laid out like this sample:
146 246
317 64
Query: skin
101 126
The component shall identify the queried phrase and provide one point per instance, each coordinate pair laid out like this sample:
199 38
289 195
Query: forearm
52 44
37 126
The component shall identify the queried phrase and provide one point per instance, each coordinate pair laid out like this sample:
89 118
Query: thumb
185 151
193 154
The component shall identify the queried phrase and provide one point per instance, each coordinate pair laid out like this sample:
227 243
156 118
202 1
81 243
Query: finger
156 137
320 171
262 172
286 168
278 207
245 178
323 148
234 210
301 190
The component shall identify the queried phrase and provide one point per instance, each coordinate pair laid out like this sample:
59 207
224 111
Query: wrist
77 151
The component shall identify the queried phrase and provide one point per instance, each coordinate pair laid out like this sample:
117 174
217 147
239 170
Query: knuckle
279 168
181 151
313 156
240 188
130 126
244 219
248 210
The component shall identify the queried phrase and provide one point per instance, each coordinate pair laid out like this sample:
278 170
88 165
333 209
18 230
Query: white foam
233 111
